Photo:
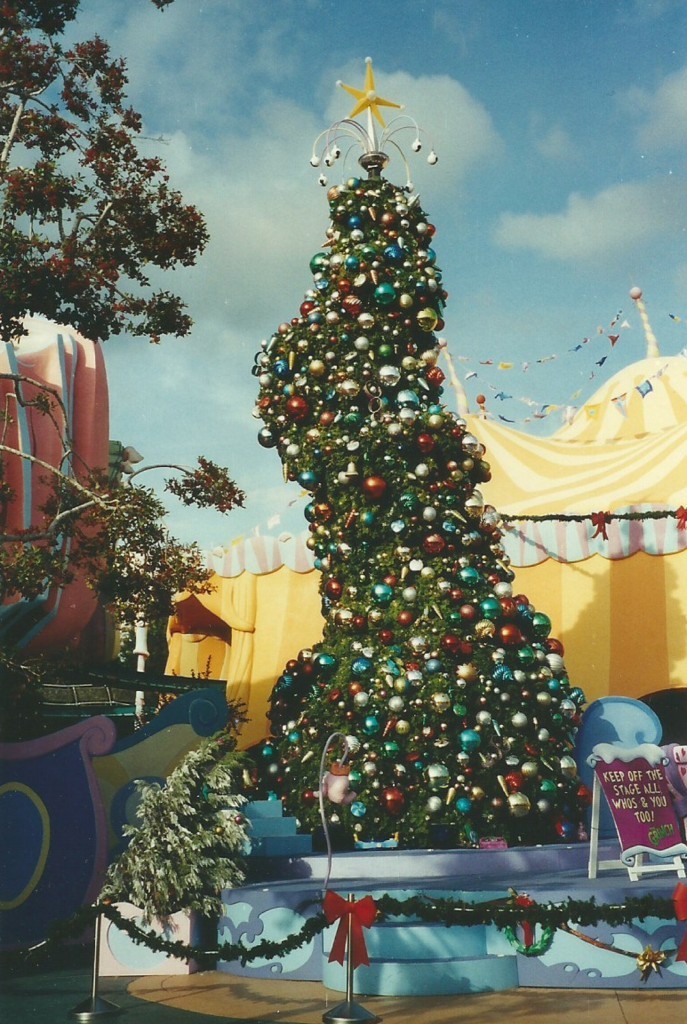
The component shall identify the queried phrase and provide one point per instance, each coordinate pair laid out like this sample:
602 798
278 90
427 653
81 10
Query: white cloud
592 228
556 145
664 112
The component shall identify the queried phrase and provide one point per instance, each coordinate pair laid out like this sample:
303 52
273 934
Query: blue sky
561 129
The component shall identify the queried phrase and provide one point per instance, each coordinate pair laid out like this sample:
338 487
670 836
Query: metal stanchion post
94 1007
349 1012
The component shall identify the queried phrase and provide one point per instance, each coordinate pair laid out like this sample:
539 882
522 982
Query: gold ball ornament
519 805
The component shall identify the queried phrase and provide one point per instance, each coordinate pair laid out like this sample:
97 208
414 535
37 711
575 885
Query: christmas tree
455 697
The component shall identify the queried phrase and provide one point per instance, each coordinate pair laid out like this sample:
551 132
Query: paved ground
45 995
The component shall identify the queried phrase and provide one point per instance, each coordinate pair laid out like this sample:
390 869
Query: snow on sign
633 781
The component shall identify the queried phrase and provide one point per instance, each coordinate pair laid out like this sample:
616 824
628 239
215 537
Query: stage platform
409 956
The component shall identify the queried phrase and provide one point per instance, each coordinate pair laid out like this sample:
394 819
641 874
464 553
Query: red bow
361 914
527 927
680 904
600 521
681 516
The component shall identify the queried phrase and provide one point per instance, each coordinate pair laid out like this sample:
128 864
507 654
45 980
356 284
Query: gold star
367 97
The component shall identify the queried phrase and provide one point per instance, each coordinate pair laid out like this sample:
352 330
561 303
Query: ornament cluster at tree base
457 697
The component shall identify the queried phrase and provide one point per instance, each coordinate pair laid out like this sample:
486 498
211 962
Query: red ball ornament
451 643
510 635
391 580
333 696
307 307
555 646
297 408
353 305
386 636
509 608
394 801
468 612
333 589
343 286
514 781
359 623
309 796
327 418
406 617
354 688
434 544
374 487
426 443
436 376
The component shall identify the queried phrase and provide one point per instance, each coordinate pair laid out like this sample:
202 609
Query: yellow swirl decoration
30 794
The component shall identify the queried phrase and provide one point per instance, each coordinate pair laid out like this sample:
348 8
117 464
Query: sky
561 131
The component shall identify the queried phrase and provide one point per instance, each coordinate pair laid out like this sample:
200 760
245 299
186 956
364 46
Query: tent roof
623 448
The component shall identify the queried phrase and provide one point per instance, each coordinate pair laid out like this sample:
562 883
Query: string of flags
569 408
539 410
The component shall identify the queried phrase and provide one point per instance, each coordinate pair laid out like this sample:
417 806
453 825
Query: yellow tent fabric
619 605
271 617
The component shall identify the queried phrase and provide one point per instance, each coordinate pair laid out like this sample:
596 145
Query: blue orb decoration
385 294
470 576
267 751
358 809
491 608
431 256
470 740
578 696
352 262
502 674
433 665
394 254
322 283
308 479
449 526
326 663
294 736
554 685
382 594
398 526
371 725
464 805
281 369
315 317
354 221
362 666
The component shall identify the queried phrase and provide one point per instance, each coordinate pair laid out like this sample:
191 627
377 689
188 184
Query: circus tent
595 531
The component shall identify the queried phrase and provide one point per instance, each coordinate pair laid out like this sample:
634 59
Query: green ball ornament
541 624
385 294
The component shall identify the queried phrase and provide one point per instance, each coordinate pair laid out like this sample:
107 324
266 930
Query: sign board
634 784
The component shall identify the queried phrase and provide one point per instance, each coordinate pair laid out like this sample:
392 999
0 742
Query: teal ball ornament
470 740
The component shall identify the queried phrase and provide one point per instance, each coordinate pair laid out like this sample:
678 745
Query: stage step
425 977
271 833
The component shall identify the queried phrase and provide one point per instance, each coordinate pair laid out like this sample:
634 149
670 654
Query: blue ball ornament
394 254
470 576
408 400
281 370
385 294
382 594
358 809
308 479
464 805
362 666
355 221
326 663
352 263
433 665
371 725
470 740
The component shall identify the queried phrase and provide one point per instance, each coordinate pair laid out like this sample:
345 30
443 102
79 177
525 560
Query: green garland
503 914
568 517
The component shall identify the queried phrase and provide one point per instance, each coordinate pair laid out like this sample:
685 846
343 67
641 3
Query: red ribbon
680 904
527 927
361 914
600 521
681 516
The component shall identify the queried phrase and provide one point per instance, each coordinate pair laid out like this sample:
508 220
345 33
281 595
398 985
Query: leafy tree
84 212
190 839
85 218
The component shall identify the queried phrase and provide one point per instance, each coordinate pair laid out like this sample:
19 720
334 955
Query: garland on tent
600 520
518 910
